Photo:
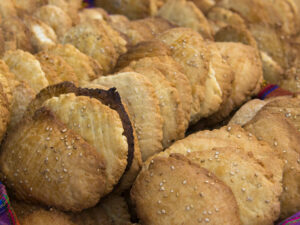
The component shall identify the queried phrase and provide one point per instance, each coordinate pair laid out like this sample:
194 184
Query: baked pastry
143 106
85 68
112 210
173 73
26 68
16 34
41 35
169 102
242 163
133 9
64 151
285 140
186 14
90 38
173 190
55 17
245 61
56 69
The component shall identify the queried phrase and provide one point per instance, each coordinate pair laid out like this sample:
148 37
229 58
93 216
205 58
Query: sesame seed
69 153
243 189
63 130
162 189
187 208
47 138
184 182
188 151
267 201
65 170
171 190
209 212
204 212
228 128
238 136
161 184
163 211
207 220
159 201
249 199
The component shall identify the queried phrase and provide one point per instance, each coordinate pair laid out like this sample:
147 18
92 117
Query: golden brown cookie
169 102
273 73
218 83
226 156
7 9
44 217
288 107
172 190
246 64
16 34
99 125
55 17
220 17
186 14
46 170
239 34
132 170
173 73
42 36
189 50
90 38
22 96
26 68
85 68
247 112
285 140
56 69
143 106
133 9
145 49
68 150
204 5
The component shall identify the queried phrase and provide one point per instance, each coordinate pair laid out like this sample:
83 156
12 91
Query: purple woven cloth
293 220
7 215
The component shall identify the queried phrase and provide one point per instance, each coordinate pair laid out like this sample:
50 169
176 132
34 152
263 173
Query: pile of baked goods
96 104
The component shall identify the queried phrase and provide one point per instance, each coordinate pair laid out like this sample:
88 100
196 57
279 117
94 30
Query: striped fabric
294 220
272 90
7 215
88 3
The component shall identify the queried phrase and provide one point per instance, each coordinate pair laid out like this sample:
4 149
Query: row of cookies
271 27
259 162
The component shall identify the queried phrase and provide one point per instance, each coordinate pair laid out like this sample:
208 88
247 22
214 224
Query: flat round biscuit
143 106
130 30
173 73
186 14
221 17
246 64
91 39
133 9
26 68
41 35
22 96
218 83
132 170
285 140
172 190
189 50
7 9
56 69
169 102
16 34
44 217
247 112
240 168
84 67
257 201
288 107
97 124
47 170
153 48
55 17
